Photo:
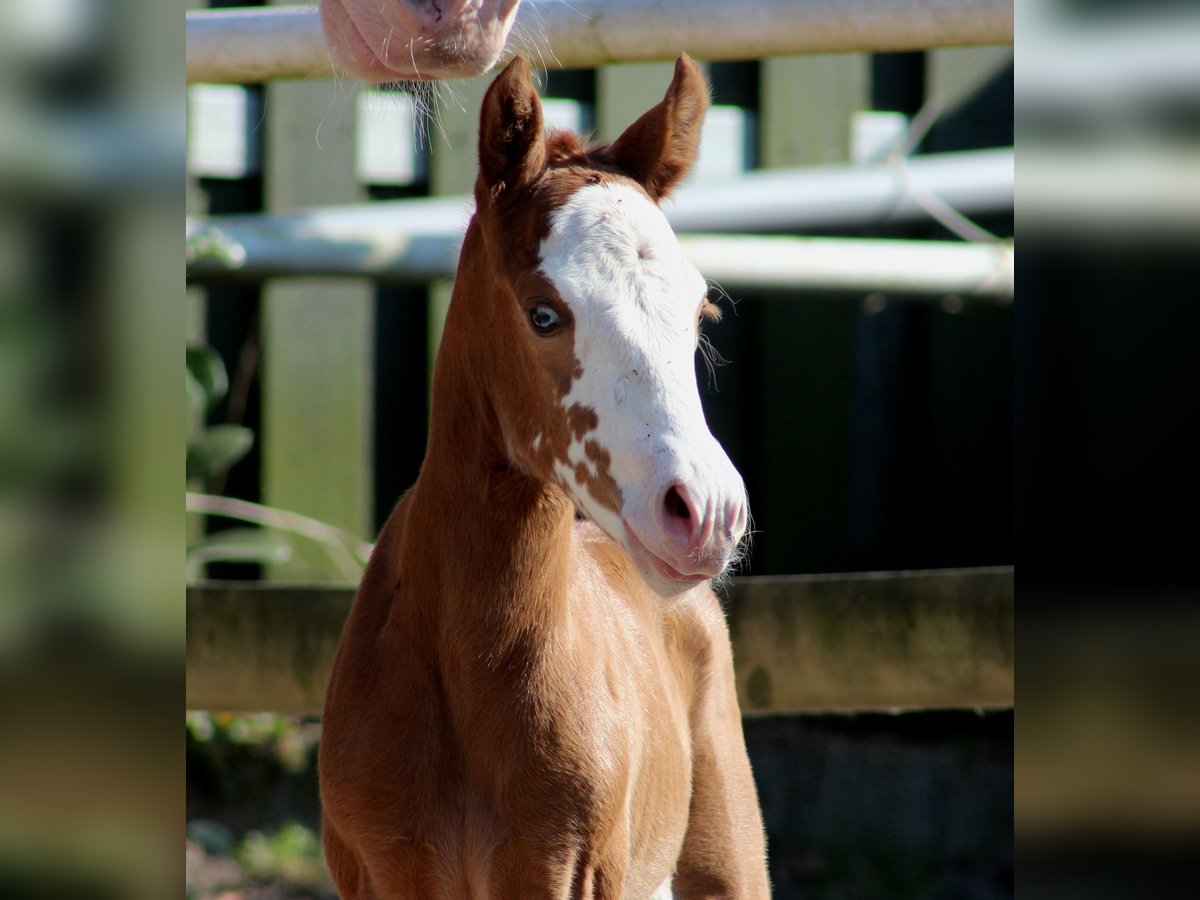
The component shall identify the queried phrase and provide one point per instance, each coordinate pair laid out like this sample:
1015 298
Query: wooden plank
956 73
262 647
624 92
875 641
878 641
807 105
316 433
973 90
317 334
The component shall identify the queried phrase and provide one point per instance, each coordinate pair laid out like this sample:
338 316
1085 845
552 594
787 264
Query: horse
534 695
416 40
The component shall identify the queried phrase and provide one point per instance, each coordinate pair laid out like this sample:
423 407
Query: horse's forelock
565 147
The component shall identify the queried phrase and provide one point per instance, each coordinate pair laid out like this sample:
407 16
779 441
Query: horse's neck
489 548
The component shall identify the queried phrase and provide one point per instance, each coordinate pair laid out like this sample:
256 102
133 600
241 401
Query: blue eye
544 319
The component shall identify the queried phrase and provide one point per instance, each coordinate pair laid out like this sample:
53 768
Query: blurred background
877 429
1108 198
91 462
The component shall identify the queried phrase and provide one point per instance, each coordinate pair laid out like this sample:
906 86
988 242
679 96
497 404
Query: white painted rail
245 46
733 261
858 266
417 240
252 45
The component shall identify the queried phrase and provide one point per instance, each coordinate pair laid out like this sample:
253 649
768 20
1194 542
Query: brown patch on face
550 448
596 453
603 486
581 419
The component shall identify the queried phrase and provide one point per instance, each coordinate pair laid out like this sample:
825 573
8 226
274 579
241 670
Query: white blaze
615 261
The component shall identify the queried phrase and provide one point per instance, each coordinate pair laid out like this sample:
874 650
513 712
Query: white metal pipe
417 240
412 232
595 32
251 45
859 265
973 183
266 248
407 240
245 46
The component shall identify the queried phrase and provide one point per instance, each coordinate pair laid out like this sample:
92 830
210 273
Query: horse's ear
512 149
658 149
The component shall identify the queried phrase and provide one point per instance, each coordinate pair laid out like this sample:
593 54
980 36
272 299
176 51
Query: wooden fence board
317 333
807 105
875 641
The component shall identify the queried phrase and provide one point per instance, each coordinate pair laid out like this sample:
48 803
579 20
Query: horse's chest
590 743
598 782
623 839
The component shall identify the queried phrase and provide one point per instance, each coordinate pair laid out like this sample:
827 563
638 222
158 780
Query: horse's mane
566 148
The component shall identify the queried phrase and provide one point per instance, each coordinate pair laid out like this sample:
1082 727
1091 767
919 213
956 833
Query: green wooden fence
876 641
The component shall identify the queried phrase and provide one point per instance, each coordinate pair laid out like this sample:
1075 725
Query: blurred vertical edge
91 448
1107 398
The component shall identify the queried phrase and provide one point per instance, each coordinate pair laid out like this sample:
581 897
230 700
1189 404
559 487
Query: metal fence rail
267 247
417 240
878 641
251 45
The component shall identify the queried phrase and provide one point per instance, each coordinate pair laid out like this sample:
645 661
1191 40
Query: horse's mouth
644 558
419 51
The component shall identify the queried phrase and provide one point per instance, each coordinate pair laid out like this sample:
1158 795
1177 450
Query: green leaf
197 400
346 553
217 449
245 545
205 366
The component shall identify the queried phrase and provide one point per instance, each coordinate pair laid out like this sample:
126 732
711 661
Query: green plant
269 535
292 853
213 448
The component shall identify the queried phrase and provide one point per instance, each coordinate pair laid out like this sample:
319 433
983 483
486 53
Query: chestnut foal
524 705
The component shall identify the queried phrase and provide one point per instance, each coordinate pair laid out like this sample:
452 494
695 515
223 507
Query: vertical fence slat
806 107
954 73
624 92
317 355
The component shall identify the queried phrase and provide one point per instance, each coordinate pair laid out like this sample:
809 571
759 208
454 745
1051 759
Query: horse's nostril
676 505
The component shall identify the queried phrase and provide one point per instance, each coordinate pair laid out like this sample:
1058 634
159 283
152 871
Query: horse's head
596 324
416 40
